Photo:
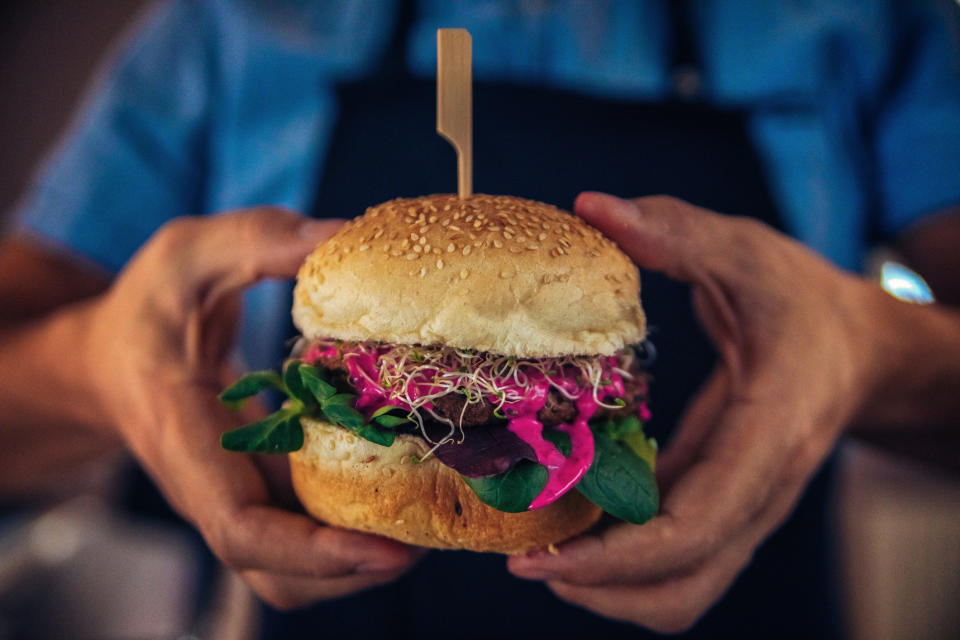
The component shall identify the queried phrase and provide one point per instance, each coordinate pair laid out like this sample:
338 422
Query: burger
468 377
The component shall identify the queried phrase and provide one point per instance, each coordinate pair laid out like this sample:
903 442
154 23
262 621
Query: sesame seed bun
492 273
349 482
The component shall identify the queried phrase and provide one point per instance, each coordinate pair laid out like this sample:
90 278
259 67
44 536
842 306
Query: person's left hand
790 330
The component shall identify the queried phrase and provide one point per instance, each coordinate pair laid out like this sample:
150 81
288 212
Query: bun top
492 273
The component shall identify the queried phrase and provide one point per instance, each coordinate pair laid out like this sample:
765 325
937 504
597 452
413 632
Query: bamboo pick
455 100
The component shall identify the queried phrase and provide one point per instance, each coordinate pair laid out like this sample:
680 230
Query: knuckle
225 550
224 540
175 232
661 201
258 221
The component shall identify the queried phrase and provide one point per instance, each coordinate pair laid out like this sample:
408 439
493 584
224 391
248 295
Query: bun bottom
349 482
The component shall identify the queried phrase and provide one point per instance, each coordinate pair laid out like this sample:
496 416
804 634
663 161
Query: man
220 106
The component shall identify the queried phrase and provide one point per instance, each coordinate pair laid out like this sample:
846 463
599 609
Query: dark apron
550 146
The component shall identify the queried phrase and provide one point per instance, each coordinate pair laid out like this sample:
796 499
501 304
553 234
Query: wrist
912 356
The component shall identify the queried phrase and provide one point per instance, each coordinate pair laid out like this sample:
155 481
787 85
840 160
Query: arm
805 350
40 294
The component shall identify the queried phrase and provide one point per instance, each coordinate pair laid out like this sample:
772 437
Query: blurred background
110 574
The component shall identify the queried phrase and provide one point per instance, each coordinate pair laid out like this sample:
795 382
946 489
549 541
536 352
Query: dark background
48 52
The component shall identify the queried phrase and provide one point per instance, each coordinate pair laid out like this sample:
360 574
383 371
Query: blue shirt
214 105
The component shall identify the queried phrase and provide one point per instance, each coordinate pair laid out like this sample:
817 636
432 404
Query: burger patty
558 409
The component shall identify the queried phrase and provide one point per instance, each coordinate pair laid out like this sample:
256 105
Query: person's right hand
156 353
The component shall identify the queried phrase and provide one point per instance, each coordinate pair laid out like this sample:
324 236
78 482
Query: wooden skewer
455 100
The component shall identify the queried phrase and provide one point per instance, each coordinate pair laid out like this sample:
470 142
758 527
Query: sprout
413 376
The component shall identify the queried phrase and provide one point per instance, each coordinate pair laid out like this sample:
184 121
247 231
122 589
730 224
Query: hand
157 350
795 367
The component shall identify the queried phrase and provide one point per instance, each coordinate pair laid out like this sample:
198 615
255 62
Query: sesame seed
440 264
412 256
508 235
406 243
378 234
497 243
422 240
423 271
426 248
363 247
423 229
463 274
542 236
346 249
414 236
432 219
521 239
466 250
417 248
451 248
477 243
454 227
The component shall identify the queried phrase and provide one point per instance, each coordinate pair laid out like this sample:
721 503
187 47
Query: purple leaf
484 452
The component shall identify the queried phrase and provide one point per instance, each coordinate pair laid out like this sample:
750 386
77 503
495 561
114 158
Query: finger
707 506
668 606
290 592
659 233
262 537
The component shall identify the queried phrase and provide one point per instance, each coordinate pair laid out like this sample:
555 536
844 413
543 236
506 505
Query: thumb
660 233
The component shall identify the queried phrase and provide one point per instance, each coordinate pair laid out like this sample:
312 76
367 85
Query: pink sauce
563 471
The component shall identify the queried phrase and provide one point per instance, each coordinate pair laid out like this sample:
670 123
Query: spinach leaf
512 491
391 422
560 439
385 409
315 382
294 384
375 434
280 432
343 415
619 481
248 386
381 416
